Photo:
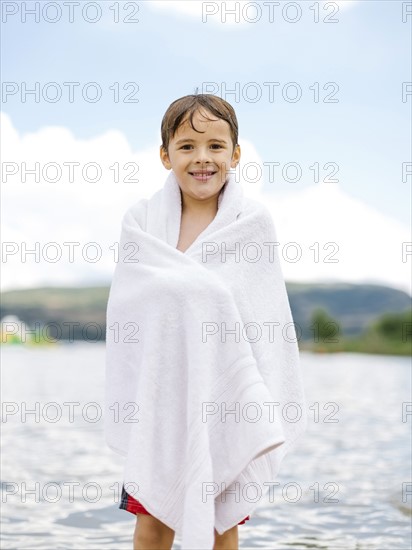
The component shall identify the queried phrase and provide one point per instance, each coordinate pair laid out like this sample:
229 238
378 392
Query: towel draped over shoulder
204 393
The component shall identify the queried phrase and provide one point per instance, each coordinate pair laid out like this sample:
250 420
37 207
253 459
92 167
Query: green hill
354 307
63 307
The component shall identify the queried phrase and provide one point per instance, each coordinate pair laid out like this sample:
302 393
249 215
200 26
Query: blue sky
170 52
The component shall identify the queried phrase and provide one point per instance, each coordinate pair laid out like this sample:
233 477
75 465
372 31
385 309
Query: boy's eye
189 145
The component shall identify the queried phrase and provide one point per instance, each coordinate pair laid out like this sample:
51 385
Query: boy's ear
235 157
164 157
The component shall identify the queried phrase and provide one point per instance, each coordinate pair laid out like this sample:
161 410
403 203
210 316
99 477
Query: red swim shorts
127 502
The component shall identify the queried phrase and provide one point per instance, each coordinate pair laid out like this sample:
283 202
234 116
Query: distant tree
325 329
394 326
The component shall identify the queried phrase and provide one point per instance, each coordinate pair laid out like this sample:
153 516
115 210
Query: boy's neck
206 208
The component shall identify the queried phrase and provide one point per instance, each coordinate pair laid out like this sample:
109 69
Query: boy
189 465
199 143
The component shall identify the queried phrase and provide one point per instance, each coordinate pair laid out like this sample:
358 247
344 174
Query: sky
322 93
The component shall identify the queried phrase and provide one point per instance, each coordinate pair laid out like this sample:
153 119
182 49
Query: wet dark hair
185 107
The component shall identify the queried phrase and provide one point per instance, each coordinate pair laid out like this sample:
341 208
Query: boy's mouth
202 175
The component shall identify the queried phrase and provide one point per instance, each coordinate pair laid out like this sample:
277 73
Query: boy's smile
201 161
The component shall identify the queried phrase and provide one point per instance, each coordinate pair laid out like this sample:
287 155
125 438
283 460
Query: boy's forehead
211 123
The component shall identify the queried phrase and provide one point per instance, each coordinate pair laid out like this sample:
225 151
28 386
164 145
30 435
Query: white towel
204 393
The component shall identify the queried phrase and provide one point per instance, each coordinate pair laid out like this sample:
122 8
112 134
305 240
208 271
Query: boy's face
201 161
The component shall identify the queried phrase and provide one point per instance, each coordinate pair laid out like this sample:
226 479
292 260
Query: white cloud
370 244
366 243
193 8
226 15
64 212
234 14
343 4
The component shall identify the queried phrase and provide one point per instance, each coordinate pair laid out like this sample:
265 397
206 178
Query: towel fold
204 394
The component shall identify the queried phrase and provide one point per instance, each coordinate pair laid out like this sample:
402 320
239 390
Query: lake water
343 486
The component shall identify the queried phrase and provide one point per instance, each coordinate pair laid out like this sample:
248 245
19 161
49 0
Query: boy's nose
202 155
